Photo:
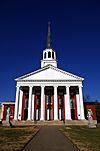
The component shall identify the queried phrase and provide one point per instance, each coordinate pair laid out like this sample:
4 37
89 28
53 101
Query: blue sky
75 38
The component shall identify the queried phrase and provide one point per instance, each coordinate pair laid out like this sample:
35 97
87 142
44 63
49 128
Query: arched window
49 54
44 55
53 55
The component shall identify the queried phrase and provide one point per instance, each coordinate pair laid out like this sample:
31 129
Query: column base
42 120
15 119
82 119
29 120
51 122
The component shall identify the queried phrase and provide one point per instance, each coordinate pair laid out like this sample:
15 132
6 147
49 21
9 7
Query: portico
48 103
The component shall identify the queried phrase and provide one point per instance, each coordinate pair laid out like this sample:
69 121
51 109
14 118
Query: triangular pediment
49 73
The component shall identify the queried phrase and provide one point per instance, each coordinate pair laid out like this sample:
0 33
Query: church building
49 93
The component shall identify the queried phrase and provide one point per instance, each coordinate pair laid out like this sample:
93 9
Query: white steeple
49 55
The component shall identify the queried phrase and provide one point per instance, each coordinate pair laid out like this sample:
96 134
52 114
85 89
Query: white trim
52 67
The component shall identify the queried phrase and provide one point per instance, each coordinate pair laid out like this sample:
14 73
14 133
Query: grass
14 139
84 138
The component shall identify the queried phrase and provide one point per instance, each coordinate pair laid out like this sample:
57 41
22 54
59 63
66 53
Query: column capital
80 86
67 86
42 86
30 86
17 86
55 86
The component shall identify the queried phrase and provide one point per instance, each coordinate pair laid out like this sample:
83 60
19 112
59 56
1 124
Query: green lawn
14 139
84 138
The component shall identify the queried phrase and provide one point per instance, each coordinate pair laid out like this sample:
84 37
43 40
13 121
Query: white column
30 103
65 99
42 104
59 114
20 104
78 106
33 107
47 114
37 114
67 105
81 103
55 104
16 104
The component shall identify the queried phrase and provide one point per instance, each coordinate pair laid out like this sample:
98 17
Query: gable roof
49 72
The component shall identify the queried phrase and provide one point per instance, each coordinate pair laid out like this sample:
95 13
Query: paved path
49 138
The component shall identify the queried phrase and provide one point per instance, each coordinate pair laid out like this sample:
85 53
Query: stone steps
67 122
22 123
49 122
76 122
29 123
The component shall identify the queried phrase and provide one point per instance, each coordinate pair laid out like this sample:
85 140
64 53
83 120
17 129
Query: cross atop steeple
49 41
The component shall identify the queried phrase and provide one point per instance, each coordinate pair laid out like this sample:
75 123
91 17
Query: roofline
46 67
31 73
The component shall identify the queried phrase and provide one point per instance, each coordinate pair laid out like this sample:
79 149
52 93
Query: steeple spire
49 54
49 36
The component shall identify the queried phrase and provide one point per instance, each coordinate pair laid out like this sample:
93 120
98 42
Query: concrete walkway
49 138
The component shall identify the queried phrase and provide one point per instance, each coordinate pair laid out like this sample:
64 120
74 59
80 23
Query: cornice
20 80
